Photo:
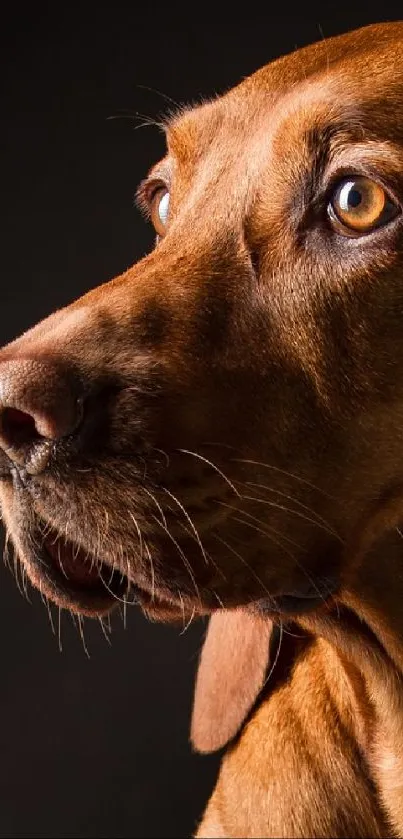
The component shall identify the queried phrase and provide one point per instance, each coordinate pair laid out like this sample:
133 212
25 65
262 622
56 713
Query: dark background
99 747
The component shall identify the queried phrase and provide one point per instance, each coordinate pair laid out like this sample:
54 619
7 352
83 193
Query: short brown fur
245 386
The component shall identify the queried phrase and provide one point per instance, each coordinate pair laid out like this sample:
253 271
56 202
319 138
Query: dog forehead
344 67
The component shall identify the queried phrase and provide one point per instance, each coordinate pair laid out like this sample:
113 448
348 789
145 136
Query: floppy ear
231 673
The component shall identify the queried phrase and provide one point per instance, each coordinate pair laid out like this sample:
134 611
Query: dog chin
74 579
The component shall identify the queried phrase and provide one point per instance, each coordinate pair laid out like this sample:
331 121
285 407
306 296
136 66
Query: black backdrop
94 747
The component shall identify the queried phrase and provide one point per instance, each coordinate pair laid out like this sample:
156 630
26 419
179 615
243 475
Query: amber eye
160 210
359 205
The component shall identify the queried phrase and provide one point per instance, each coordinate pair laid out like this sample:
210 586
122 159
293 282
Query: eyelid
146 192
378 160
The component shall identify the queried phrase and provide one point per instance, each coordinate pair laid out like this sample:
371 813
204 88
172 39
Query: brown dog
219 431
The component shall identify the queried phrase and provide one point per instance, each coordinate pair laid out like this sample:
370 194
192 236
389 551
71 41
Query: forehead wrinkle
329 109
224 175
180 136
320 77
207 166
191 131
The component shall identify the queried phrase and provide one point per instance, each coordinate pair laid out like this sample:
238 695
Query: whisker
104 632
213 466
136 115
284 472
160 93
46 528
124 616
6 550
24 580
189 622
244 561
46 603
218 598
269 531
299 515
271 671
186 514
60 559
157 504
166 456
137 526
80 621
59 629
114 595
209 557
151 572
183 610
269 534
292 634
180 551
294 500
16 565
217 567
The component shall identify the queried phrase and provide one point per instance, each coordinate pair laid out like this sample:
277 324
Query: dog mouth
72 575
69 575
79 581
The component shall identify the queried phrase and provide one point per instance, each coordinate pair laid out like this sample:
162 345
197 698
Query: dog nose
38 404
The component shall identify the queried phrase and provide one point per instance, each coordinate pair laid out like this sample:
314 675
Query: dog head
216 426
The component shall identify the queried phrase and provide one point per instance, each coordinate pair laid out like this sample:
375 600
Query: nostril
18 429
41 402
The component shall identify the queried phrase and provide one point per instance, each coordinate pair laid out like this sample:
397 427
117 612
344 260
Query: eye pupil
354 198
350 196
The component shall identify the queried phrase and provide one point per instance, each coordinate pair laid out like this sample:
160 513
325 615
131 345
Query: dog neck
365 627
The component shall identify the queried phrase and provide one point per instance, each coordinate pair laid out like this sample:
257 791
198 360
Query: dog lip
93 588
78 567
